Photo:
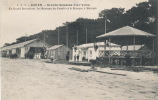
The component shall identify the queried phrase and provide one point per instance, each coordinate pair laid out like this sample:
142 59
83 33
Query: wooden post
109 51
153 52
44 38
58 44
121 55
77 37
134 51
127 45
104 48
86 35
105 23
58 35
67 37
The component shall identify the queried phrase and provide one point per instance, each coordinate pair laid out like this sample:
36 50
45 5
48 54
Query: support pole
127 45
153 52
104 48
77 37
67 37
44 39
109 51
105 22
86 34
58 43
134 51
58 36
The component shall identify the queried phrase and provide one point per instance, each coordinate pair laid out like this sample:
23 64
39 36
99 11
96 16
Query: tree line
142 16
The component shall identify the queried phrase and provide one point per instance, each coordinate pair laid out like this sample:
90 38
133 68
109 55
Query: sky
17 23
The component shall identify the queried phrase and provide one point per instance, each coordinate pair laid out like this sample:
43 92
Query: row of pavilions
111 48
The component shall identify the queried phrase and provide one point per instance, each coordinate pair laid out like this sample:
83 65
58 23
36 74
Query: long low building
92 50
59 52
29 49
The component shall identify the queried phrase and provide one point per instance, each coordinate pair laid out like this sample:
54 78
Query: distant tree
6 44
115 18
22 39
142 17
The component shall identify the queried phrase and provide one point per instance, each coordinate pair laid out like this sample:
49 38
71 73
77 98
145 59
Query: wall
91 53
60 53
22 54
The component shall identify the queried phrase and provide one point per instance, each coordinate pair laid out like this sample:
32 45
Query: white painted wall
22 55
91 53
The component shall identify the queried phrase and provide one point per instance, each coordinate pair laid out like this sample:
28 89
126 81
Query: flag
46 35
108 20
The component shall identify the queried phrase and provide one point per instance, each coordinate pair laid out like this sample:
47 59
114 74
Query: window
84 53
90 53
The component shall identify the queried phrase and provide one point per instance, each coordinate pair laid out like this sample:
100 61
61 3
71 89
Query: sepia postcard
79 49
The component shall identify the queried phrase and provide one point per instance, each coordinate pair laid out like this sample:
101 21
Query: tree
142 17
115 18
6 44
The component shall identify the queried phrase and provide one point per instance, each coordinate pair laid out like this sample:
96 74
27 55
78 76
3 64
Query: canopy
126 31
55 47
18 45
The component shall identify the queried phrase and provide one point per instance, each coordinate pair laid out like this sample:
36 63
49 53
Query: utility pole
105 22
105 42
58 43
86 34
77 36
58 35
67 35
44 39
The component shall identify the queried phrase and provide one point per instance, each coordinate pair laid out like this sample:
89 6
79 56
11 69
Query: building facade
59 52
89 51
29 49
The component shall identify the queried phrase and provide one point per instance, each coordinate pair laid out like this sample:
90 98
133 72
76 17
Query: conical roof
126 31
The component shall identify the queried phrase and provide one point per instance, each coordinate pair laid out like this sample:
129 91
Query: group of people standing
76 58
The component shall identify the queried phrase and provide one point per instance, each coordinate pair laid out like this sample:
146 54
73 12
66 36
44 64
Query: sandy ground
24 79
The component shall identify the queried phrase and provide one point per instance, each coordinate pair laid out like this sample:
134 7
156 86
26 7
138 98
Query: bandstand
129 36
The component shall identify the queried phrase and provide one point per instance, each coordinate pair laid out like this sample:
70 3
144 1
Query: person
67 57
52 58
128 60
77 57
143 60
83 58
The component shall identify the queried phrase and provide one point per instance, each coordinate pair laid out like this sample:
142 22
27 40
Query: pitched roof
92 44
126 31
55 47
18 45
131 47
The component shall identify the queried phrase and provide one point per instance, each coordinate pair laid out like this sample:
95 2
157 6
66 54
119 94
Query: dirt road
24 79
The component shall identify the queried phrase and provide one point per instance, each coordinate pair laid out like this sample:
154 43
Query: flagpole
58 35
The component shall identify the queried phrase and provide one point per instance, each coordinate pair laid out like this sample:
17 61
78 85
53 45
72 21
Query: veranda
128 36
